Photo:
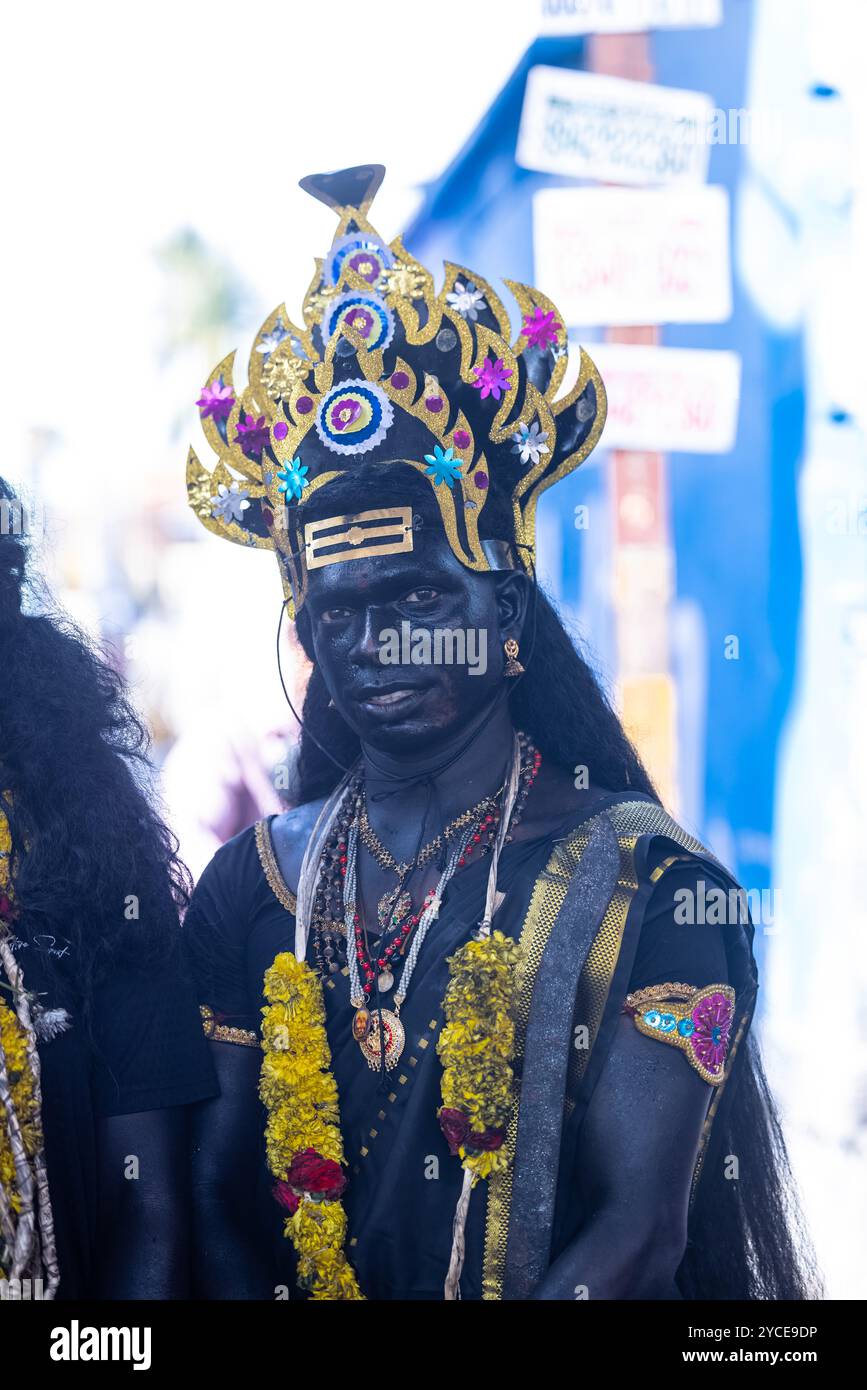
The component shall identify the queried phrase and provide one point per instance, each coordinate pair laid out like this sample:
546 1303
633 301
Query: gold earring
513 666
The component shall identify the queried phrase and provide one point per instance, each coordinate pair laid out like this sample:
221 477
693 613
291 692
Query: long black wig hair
570 720
93 867
746 1238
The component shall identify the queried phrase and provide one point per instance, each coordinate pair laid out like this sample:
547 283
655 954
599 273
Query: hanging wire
305 730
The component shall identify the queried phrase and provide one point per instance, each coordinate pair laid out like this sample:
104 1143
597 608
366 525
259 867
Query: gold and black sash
546 1056
518 1250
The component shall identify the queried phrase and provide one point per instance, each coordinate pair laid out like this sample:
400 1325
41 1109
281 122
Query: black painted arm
143 1244
232 1254
636 1153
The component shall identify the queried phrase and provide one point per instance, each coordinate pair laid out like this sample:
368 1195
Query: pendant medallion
395 1039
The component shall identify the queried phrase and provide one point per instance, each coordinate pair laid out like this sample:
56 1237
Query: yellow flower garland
300 1095
19 1074
13 1042
13 1045
5 850
477 1046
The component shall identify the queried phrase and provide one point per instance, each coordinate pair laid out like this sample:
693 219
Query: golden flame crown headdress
388 370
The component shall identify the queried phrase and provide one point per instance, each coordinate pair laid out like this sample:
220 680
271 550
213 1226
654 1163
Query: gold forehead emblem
385 531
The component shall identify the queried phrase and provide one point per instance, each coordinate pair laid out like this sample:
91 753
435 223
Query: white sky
127 123
124 125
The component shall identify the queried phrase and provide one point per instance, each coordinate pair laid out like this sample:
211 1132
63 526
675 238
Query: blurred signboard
626 16
648 707
639 509
587 126
669 398
634 256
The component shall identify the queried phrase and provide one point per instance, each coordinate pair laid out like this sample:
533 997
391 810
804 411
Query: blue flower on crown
444 467
294 477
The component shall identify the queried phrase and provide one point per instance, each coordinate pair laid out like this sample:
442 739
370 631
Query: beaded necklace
303 1140
328 914
377 1030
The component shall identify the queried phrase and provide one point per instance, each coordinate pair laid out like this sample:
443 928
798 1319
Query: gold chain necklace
386 859
395 904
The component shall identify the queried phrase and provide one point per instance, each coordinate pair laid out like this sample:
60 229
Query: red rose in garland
487 1141
282 1193
455 1127
309 1172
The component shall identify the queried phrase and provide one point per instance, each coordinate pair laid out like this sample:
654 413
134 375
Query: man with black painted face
495 1064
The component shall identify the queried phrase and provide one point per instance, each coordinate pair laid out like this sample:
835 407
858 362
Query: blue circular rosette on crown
367 314
366 255
354 417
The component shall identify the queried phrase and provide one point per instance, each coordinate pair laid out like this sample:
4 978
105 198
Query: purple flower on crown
540 329
216 400
252 434
492 378
366 264
361 320
345 414
713 1020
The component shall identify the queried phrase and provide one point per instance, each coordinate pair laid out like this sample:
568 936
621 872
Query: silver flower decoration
230 502
530 442
466 299
269 341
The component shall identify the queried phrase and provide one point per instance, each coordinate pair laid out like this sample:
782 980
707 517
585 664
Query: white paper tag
626 16
583 125
630 256
669 399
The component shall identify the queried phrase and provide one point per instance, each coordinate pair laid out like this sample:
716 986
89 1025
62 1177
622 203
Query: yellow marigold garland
13 1042
13 1046
303 1141
27 1238
302 1136
477 1047
5 851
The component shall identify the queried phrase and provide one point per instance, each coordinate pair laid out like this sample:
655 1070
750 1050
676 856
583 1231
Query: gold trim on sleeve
221 1032
271 869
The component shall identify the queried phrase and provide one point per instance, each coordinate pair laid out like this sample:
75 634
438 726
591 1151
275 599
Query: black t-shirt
141 1050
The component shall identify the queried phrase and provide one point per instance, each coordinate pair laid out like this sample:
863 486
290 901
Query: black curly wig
92 863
